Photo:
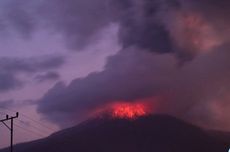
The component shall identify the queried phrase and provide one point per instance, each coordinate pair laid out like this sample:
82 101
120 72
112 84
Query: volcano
152 133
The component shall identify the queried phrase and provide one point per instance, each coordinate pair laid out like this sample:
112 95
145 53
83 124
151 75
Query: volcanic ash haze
174 53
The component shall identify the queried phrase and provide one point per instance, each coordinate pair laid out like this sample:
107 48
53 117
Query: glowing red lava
128 110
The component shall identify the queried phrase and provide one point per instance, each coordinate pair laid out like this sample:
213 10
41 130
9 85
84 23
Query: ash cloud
126 78
195 91
188 92
78 21
154 25
155 36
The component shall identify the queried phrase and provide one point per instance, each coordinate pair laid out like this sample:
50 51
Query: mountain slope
146 134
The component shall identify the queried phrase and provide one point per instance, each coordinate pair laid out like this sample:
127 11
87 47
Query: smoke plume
174 53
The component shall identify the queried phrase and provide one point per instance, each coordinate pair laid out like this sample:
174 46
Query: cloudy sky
62 60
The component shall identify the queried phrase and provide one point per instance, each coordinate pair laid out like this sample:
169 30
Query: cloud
11 68
32 64
78 21
47 76
168 26
126 77
6 104
155 35
8 81
140 27
136 75
20 18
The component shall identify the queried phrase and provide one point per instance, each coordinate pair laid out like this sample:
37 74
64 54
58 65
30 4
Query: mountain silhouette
153 133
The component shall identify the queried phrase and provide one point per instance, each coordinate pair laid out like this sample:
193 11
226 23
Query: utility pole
11 128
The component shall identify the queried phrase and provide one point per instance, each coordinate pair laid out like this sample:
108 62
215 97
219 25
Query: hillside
158 133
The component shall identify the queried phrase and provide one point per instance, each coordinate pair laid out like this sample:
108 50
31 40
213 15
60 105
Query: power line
31 119
34 127
31 131
51 129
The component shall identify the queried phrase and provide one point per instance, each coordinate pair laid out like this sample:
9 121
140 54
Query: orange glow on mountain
193 32
128 110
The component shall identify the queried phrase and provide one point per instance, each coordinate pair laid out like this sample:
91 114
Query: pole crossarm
7 118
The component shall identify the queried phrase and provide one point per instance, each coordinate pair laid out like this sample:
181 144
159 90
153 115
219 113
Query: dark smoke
196 91
190 92
155 35
155 25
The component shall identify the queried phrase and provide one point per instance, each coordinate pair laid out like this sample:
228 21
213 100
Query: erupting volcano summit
129 110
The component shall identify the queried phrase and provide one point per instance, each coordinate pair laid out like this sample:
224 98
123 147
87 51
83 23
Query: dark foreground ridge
159 133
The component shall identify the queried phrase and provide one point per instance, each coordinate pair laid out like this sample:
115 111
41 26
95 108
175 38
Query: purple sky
61 60
41 44
76 65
